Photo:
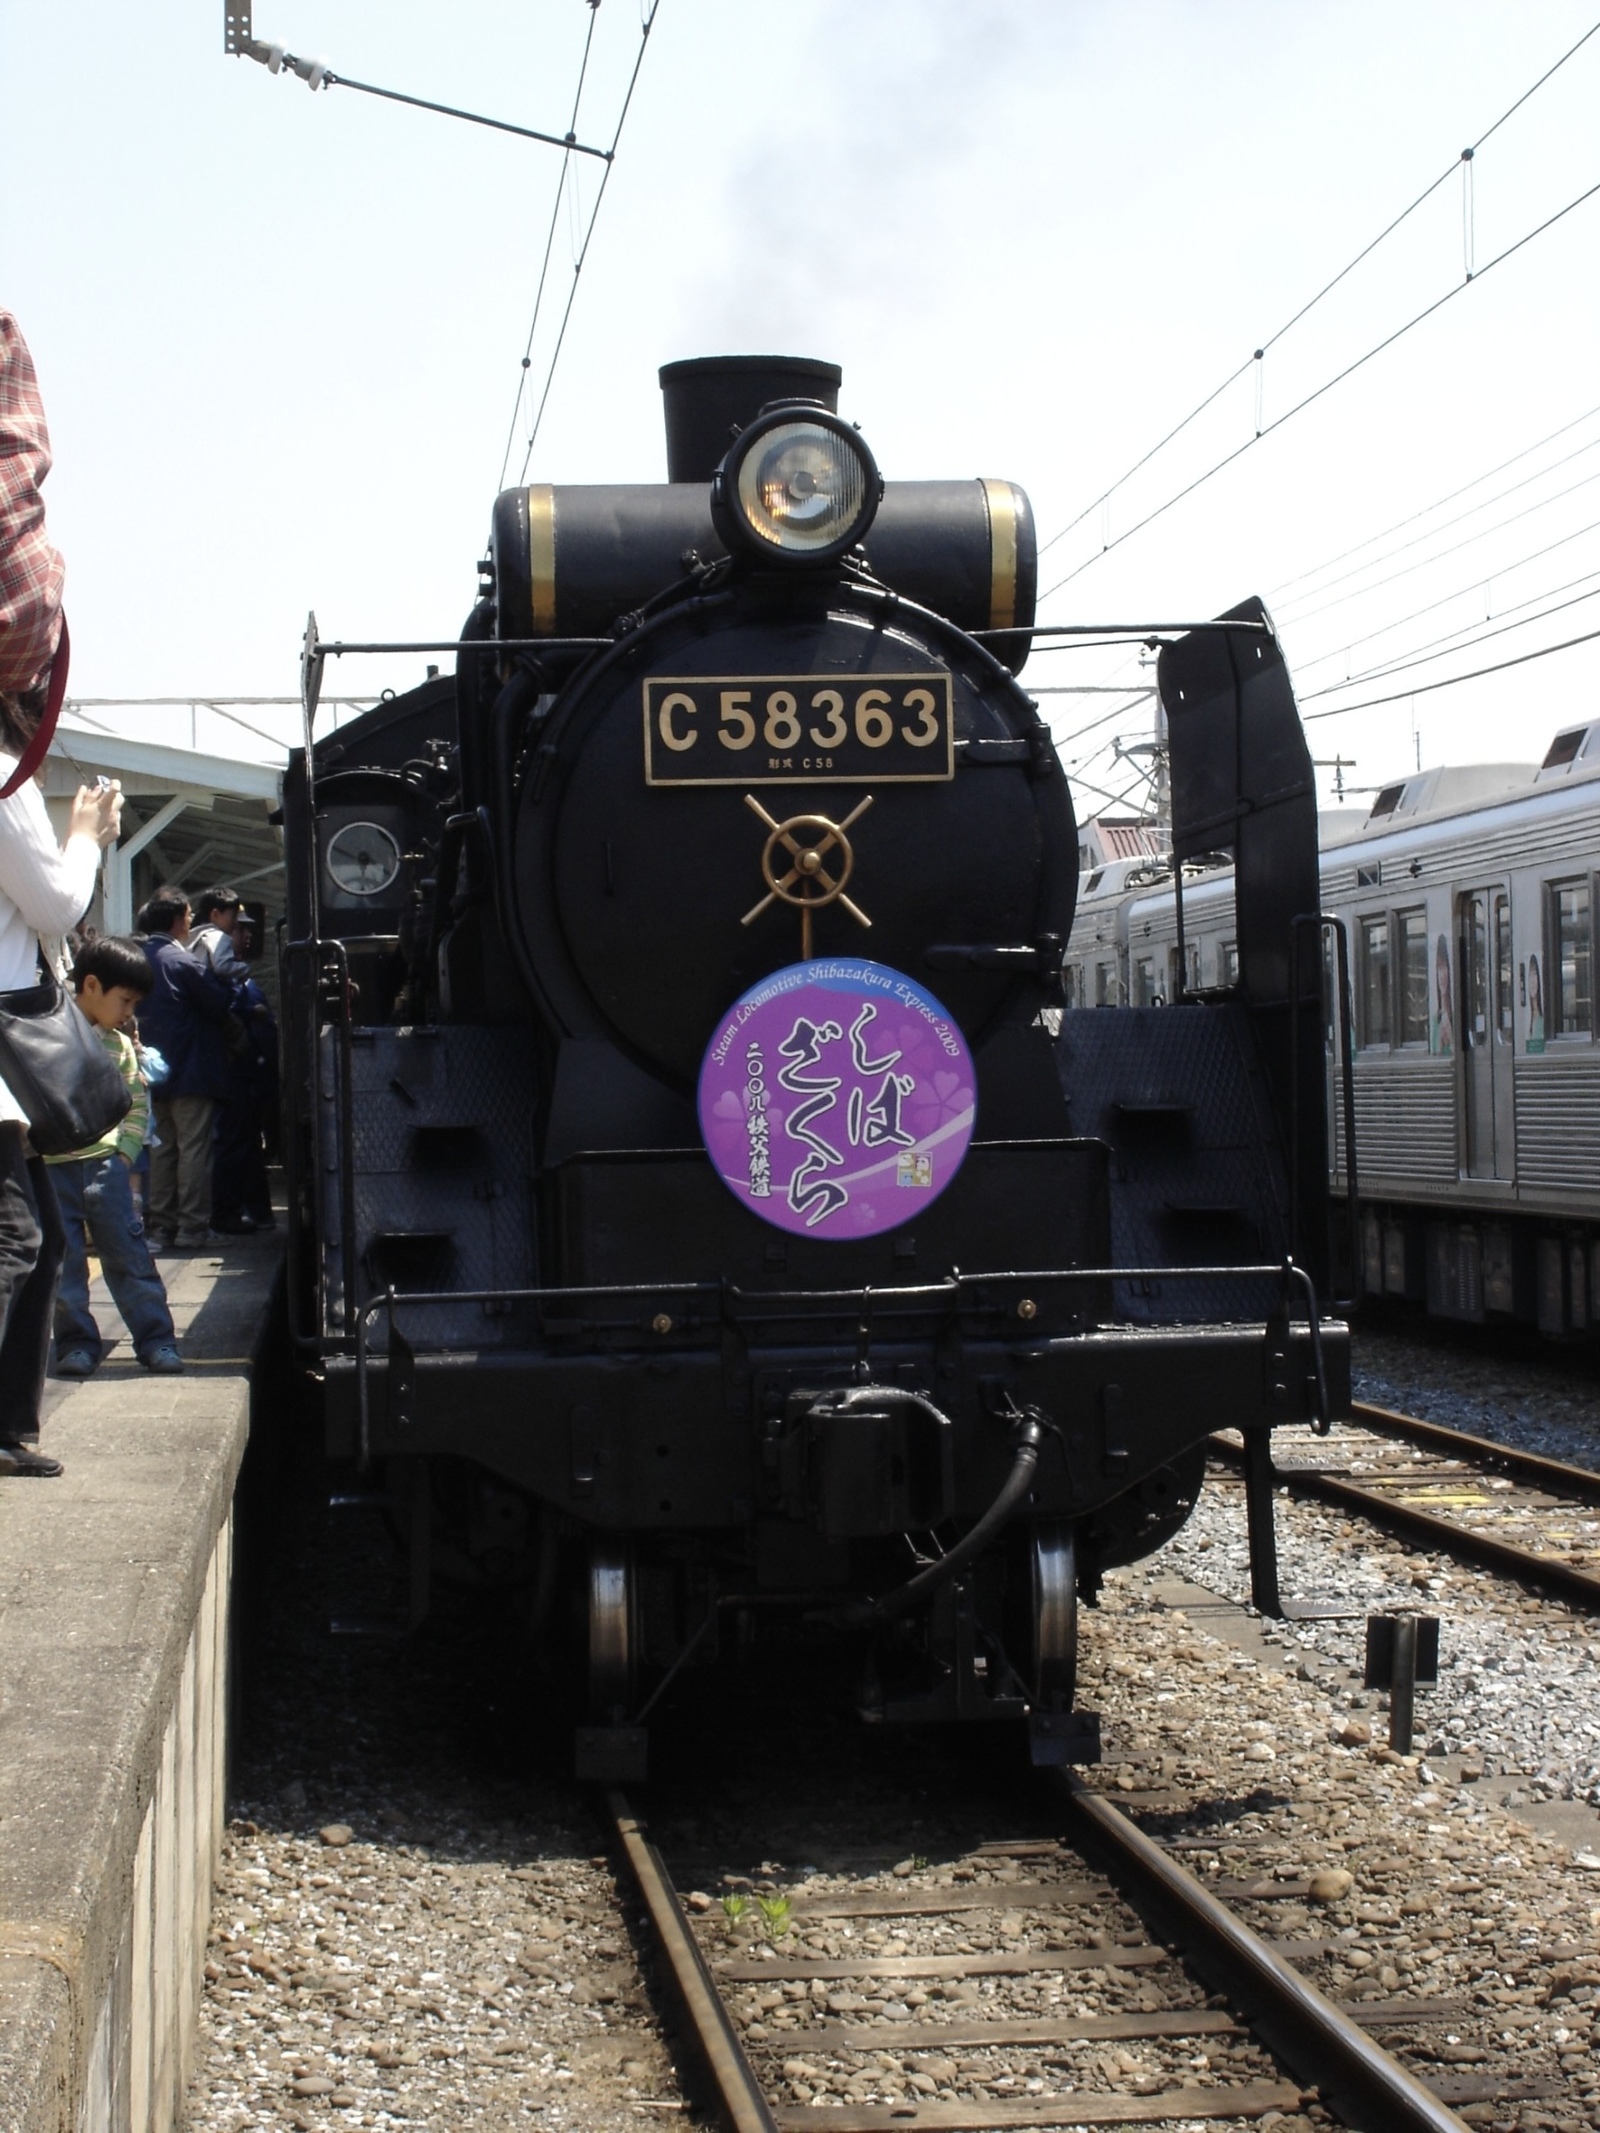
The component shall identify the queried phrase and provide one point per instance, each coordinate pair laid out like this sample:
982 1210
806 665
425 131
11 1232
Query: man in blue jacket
183 1016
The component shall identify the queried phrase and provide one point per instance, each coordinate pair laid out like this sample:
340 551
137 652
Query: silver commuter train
1469 897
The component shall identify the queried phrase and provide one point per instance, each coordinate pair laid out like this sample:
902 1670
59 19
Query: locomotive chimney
710 398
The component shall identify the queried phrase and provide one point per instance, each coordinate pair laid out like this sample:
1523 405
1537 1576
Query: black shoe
235 1226
19 1460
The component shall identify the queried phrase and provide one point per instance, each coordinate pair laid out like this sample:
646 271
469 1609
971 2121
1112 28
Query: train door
1483 928
1505 1036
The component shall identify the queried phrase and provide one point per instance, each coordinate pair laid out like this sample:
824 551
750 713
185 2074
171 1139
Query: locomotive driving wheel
1051 1599
613 1630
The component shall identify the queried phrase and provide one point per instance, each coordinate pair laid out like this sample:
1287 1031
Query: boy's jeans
96 1203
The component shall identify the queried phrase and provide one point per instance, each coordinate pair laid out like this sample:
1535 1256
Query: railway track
778 2016
1516 1512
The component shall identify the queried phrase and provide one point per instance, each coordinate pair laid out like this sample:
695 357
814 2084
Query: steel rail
741 2099
1529 1568
1468 1543
1487 1451
1318 2042
1310 2033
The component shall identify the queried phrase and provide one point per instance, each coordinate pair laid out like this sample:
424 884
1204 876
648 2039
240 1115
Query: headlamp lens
802 487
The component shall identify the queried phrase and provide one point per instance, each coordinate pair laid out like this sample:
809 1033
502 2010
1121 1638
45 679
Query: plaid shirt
30 569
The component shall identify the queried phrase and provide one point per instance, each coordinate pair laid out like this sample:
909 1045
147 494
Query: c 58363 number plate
799 729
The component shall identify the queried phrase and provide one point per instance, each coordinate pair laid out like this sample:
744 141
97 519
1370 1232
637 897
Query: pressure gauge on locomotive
362 859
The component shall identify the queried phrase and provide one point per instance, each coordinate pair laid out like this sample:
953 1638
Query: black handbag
51 1059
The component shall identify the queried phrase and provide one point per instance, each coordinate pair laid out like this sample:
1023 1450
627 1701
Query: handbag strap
44 733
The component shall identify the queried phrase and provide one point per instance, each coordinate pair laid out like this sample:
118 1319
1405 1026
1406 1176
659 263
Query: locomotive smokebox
709 399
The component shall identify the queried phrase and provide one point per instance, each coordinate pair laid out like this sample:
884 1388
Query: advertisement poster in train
1535 999
1444 1013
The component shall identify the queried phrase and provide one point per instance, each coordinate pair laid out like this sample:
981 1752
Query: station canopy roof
188 816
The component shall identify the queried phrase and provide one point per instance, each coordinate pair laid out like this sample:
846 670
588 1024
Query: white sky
279 334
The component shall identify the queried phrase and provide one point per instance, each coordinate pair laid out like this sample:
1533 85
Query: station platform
114 1586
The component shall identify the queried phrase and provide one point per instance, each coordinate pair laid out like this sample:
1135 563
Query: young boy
110 978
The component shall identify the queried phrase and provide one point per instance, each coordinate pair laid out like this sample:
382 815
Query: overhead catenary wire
549 245
647 24
1405 547
1460 592
1433 656
1066 740
1449 640
1453 640
1427 688
1256 357
1327 386
1258 354
1438 504
1426 562
1112 799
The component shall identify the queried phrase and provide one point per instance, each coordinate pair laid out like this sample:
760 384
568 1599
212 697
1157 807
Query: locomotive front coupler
882 1457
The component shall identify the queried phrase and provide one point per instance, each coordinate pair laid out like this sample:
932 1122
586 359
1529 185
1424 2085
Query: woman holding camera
45 887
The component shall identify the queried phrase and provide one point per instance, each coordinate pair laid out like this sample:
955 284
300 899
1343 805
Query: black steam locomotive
704 1210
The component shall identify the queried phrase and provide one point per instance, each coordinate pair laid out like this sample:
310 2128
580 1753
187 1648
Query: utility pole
1163 763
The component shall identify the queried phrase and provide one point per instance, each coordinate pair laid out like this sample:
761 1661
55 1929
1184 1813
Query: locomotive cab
704 1166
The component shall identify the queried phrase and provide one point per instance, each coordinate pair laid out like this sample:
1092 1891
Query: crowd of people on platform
215 1095
186 1026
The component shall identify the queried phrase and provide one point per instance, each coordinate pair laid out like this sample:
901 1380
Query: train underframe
1490 1266
941 1500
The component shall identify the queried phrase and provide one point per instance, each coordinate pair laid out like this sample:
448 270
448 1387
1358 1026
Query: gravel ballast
416 1925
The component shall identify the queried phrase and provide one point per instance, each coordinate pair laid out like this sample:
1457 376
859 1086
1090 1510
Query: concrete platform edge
114 1616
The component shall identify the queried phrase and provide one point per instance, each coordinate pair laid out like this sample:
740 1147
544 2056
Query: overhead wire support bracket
239 38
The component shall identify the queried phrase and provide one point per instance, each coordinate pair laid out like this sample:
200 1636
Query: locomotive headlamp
799 485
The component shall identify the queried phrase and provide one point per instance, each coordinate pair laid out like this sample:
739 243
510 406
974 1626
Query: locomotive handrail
316 951
313 952
484 645
863 1298
306 1342
1140 630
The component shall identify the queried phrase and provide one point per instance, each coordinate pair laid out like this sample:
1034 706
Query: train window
1413 946
1228 963
1072 982
1504 991
1564 748
1105 985
1572 951
1375 1020
1474 921
1144 981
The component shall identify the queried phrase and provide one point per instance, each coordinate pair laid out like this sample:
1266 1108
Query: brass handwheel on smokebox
807 881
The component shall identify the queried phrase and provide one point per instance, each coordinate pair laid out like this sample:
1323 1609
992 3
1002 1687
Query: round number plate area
363 859
837 1098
